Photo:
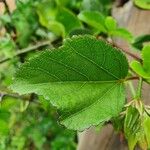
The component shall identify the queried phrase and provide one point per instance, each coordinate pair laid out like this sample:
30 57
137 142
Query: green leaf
57 19
46 11
138 68
140 40
4 114
143 142
80 31
5 18
118 123
64 2
146 58
4 129
9 103
132 127
83 79
7 47
94 19
123 33
103 6
4 121
91 5
145 4
143 70
110 23
113 30
147 129
25 22
68 19
70 4
57 28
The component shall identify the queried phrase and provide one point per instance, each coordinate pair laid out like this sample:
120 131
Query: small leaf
7 47
57 19
80 78
146 58
4 119
110 23
113 30
91 5
68 19
143 142
132 126
123 33
5 18
145 4
147 129
9 103
143 70
4 129
57 28
46 12
102 6
118 123
94 19
25 22
138 68
140 40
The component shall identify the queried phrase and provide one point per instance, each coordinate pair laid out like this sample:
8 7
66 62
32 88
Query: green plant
80 74
144 4
85 79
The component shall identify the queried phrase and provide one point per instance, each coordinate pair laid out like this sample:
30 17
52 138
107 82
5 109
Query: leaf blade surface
82 79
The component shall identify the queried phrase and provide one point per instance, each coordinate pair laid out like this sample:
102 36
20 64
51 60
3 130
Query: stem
132 88
26 50
129 53
16 97
139 89
132 78
132 55
8 28
6 7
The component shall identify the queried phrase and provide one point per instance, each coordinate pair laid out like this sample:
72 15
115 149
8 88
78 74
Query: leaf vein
74 69
78 112
94 63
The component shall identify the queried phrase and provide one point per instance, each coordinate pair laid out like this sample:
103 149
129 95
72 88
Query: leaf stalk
139 89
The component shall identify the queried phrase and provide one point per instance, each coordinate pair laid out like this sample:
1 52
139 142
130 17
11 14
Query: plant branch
129 53
28 49
132 78
16 96
6 7
139 89
132 88
132 55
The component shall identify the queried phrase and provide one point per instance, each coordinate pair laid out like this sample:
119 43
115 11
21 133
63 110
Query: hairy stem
129 53
132 55
132 78
132 88
139 89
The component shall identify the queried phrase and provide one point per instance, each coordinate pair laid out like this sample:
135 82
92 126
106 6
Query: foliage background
29 122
